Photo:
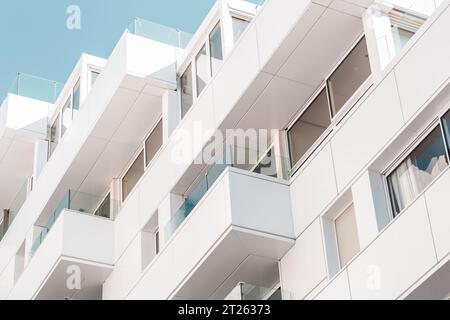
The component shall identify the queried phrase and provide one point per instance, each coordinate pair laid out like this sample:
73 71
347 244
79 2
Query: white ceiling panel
116 111
139 120
322 48
277 105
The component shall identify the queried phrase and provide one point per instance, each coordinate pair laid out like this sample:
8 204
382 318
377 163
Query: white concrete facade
115 204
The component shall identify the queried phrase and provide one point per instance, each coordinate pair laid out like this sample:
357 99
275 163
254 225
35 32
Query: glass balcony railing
36 88
191 202
266 163
160 33
256 293
85 203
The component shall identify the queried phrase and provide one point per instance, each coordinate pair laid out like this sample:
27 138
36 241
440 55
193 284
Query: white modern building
340 109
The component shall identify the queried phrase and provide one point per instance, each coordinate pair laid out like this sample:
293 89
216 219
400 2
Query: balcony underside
78 249
241 255
92 278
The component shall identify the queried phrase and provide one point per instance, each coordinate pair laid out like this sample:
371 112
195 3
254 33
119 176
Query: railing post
179 38
18 81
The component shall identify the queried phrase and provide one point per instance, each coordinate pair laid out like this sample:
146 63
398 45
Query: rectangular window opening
347 236
134 173
153 143
417 171
201 65
349 76
239 26
309 127
186 91
54 135
215 48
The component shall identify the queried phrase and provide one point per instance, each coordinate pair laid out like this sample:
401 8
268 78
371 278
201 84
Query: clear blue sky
35 39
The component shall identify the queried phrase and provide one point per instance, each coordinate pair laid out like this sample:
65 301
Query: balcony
78 202
266 163
238 231
78 241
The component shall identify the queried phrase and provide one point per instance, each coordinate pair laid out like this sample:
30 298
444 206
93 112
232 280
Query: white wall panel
309 198
402 253
338 289
429 60
303 267
364 134
439 210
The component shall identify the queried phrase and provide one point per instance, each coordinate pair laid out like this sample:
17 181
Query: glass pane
239 26
133 175
277 295
347 236
401 37
66 116
54 135
309 127
171 36
94 76
76 96
201 63
186 91
154 142
36 88
104 210
417 171
349 76
267 166
215 45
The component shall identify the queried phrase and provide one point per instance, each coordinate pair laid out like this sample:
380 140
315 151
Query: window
94 76
186 91
54 135
201 64
66 116
404 25
150 241
215 47
309 127
239 26
104 209
347 236
446 125
417 171
349 76
76 96
153 143
133 175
